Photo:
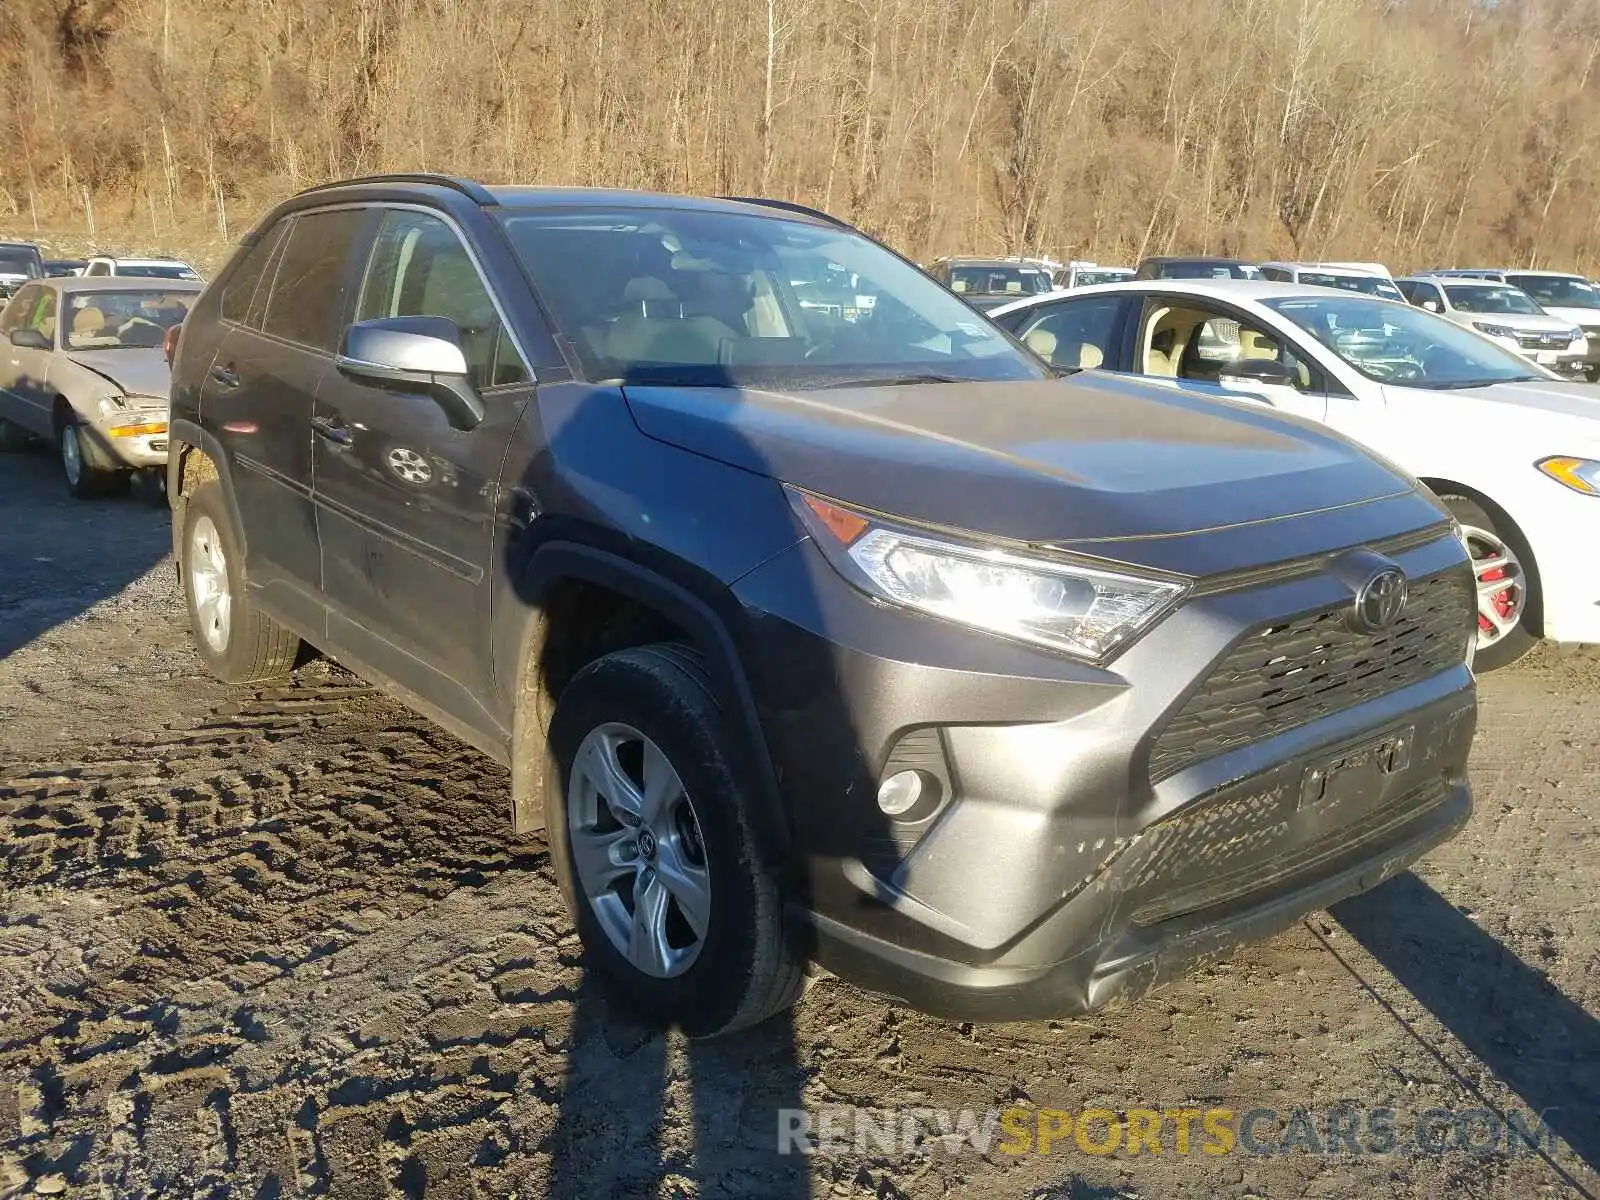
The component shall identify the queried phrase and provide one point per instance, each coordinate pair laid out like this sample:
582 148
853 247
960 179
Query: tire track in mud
220 947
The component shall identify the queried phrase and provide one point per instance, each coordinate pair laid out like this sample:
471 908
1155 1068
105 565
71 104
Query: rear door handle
225 376
333 429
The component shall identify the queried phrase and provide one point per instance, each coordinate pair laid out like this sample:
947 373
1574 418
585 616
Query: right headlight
1493 330
1579 474
1075 607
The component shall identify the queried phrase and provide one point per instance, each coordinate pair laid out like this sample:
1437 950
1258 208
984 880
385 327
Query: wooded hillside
1421 132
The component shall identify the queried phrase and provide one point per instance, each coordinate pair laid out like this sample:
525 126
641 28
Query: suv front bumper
1063 868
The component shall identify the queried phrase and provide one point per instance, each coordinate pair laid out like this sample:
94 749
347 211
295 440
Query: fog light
900 793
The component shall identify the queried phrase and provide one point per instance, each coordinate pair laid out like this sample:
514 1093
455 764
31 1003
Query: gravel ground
276 943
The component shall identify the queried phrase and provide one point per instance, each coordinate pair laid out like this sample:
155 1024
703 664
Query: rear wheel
237 641
653 848
1505 589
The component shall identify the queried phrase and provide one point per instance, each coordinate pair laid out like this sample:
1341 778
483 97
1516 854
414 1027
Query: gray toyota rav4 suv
869 641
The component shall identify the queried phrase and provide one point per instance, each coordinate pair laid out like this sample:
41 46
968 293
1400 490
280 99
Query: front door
25 398
405 502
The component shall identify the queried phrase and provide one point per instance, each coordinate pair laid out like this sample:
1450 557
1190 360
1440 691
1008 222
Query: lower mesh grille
1223 851
1289 674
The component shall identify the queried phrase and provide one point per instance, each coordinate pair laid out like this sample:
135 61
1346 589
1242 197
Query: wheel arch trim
561 562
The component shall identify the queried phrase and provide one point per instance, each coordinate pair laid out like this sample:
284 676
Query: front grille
1282 676
1544 341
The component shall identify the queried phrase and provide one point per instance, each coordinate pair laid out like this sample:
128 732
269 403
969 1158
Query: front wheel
1505 590
653 848
237 641
82 463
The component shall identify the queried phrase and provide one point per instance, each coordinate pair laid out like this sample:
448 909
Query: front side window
1490 298
310 287
419 268
123 319
1076 334
1407 346
43 315
1220 340
698 298
1557 291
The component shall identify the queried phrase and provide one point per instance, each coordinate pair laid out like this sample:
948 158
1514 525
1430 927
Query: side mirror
29 339
422 351
1257 371
1431 305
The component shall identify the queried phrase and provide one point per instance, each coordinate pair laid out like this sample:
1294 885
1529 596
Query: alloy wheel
71 455
1502 586
208 584
637 850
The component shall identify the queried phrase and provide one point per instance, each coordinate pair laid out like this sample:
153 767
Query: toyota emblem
1380 601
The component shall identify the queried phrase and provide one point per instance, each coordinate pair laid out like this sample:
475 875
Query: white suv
144 268
1505 313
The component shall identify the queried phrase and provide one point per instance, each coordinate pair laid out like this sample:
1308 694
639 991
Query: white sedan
1512 449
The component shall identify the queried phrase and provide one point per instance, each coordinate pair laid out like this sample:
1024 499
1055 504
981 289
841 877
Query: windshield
1108 275
156 271
1403 345
1490 298
18 262
1559 291
1209 270
1369 285
123 319
999 281
696 298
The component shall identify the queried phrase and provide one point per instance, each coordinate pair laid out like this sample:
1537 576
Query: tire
740 968
13 438
1498 647
237 641
83 465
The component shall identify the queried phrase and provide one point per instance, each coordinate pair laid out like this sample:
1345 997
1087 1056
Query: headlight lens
1087 611
1579 474
1493 330
112 406
1577 334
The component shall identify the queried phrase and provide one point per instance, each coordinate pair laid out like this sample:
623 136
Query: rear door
406 503
260 391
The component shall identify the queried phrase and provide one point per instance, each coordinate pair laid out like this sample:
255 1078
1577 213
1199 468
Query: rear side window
311 283
242 283
1077 333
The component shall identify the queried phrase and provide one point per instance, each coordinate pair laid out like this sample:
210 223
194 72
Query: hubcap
208 584
1502 587
637 850
71 454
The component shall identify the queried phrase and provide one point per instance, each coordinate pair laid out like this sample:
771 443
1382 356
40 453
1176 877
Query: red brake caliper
1501 599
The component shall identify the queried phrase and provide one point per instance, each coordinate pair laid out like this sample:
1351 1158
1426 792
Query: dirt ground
275 943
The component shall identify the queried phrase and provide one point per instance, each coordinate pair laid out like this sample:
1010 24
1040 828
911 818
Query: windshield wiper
896 380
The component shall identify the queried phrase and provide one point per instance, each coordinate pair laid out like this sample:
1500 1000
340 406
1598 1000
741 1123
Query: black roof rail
790 206
467 187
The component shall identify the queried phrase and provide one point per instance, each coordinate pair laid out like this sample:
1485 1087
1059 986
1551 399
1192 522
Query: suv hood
1061 461
140 371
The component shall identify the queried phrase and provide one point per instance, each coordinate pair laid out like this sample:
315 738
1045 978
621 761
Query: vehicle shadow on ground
698 1115
63 556
1541 1044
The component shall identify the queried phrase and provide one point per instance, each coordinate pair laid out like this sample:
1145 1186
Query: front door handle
226 376
332 429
